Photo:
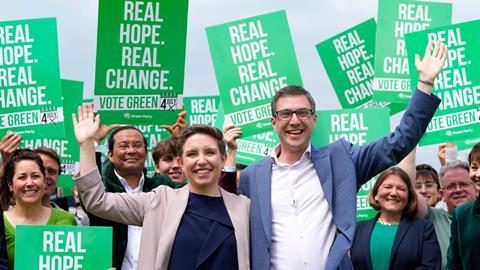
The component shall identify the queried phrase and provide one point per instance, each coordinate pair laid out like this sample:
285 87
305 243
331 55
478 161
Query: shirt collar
124 182
276 151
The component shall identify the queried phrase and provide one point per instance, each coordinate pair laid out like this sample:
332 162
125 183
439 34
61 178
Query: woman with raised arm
23 182
199 226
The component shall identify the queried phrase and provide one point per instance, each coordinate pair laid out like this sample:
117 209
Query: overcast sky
311 21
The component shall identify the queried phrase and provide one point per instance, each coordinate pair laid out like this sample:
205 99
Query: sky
311 21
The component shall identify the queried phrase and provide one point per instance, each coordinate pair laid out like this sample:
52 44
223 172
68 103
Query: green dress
57 217
381 243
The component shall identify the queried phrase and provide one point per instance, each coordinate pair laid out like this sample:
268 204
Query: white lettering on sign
61 242
246 32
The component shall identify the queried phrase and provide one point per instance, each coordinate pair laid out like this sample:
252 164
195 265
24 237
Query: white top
130 259
302 224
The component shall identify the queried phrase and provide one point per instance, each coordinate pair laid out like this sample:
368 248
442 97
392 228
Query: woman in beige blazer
199 226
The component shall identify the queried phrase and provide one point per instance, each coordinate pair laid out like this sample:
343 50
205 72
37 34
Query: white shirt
130 260
302 223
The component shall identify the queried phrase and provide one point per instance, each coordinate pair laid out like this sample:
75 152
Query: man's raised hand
87 125
432 63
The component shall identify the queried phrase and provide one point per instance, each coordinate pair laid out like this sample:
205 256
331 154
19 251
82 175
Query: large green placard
201 109
30 91
358 126
63 247
140 60
457 85
252 58
348 60
395 19
67 147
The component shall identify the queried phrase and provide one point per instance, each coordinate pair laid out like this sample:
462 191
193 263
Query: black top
205 238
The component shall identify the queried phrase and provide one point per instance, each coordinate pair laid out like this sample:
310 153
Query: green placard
252 58
63 247
202 109
252 148
153 134
364 210
395 19
140 60
30 91
66 147
466 144
348 60
358 126
457 85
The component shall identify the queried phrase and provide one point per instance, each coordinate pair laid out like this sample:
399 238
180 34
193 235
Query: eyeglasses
427 185
454 186
136 146
287 114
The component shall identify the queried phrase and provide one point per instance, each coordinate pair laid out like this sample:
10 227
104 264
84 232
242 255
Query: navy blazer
342 168
415 246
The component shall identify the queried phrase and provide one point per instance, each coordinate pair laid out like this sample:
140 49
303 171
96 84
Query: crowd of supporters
294 209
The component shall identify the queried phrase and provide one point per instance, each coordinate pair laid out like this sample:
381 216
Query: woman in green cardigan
24 183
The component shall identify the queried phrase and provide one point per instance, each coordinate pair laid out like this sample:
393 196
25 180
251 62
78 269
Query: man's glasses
302 114
454 186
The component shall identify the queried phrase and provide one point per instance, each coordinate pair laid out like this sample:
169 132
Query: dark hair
52 154
164 148
474 154
410 209
426 171
111 139
213 132
291 90
9 169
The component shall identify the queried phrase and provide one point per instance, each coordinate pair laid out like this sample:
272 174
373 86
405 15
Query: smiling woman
199 226
394 239
23 183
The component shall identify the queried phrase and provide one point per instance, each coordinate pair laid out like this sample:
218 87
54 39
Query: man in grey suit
303 199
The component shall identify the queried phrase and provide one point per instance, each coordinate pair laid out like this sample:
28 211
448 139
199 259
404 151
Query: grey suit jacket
159 212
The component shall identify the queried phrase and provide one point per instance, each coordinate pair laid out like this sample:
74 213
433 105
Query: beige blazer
159 212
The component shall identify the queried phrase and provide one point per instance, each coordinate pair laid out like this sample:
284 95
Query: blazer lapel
264 189
175 208
240 222
321 162
403 228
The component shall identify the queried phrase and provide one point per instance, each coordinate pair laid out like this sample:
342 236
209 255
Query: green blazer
464 251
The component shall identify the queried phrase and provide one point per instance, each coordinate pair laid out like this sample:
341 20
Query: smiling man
303 199
52 164
164 156
456 189
127 152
